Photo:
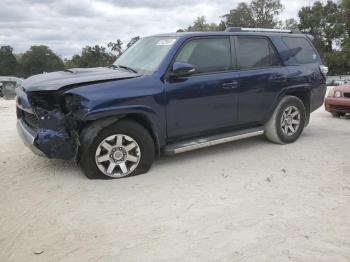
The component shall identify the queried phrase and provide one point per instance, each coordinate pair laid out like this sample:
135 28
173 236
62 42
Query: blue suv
172 93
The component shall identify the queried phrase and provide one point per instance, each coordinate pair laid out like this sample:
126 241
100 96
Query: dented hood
57 80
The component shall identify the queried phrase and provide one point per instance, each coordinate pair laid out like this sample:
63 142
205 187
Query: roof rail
248 29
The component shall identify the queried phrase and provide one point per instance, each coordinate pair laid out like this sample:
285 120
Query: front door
206 100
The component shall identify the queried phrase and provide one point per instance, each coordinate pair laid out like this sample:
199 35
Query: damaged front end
51 115
45 126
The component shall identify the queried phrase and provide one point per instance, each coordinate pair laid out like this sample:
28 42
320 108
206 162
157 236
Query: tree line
39 59
328 23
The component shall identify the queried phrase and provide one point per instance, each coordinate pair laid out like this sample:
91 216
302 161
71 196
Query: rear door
262 77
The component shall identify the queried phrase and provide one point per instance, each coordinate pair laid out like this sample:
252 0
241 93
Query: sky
68 25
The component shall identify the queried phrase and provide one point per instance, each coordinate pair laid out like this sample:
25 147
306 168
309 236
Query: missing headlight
46 100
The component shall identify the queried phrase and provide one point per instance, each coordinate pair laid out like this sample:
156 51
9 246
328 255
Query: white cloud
67 26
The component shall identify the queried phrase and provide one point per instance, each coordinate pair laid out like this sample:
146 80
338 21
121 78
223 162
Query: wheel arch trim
94 125
303 93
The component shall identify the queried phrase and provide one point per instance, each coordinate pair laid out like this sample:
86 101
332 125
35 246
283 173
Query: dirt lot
244 201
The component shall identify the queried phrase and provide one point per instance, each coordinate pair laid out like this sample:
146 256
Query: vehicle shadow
64 167
234 148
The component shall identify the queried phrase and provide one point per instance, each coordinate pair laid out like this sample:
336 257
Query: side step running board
197 143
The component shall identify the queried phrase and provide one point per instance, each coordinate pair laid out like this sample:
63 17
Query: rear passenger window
207 55
300 49
256 52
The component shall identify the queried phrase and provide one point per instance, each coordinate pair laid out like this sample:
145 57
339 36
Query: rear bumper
28 137
337 105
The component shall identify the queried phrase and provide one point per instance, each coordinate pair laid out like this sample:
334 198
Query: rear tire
287 122
122 149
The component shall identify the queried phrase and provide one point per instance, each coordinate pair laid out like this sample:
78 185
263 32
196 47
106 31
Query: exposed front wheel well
92 128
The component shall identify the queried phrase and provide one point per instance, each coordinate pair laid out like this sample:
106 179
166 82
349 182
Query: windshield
146 54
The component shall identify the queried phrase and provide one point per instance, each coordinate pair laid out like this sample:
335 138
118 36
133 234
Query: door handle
230 85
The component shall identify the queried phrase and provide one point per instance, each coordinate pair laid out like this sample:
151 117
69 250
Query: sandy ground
244 201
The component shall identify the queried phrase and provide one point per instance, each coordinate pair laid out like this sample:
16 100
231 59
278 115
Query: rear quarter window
300 49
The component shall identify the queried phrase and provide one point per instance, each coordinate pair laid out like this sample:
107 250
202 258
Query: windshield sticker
169 41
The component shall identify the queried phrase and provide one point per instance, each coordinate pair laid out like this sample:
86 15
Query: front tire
287 122
122 149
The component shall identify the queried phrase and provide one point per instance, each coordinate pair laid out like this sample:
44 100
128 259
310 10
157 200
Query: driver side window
207 55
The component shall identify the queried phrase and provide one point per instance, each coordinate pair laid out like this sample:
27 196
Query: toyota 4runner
172 93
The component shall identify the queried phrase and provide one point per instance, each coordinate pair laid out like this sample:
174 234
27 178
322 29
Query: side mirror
182 69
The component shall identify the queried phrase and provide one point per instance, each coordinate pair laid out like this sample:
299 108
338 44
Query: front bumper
45 134
337 105
28 137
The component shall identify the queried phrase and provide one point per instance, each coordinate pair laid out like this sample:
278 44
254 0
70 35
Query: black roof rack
249 29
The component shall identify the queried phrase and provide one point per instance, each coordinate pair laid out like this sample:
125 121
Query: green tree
98 55
8 62
259 13
333 25
265 12
338 62
132 41
242 16
291 24
39 59
73 63
201 25
345 6
94 57
116 47
325 23
217 27
221 26
329 23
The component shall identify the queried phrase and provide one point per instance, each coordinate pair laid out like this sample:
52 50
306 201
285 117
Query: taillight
324 70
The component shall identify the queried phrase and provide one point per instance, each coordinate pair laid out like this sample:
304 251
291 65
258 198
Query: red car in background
338 100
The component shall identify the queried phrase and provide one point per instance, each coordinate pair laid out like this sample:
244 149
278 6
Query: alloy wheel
117 155
290 120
